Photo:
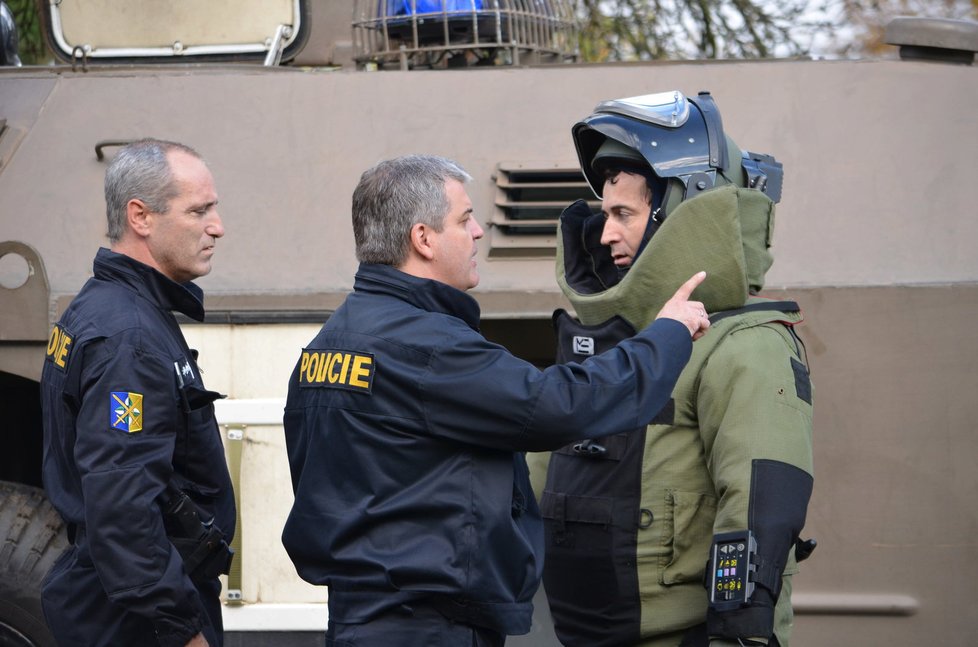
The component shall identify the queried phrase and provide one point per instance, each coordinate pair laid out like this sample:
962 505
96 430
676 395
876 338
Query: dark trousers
79 613
411 626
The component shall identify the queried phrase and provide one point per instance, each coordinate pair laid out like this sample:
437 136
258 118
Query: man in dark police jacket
133 458
405 426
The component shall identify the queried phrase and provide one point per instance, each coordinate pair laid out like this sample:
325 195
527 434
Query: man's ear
421 242
138 217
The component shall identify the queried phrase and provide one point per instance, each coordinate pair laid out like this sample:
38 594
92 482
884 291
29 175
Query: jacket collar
724 231
149 283
427 294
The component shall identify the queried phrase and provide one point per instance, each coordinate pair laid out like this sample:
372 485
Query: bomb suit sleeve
755 414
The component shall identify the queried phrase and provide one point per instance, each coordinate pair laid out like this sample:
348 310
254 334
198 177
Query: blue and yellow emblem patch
126 411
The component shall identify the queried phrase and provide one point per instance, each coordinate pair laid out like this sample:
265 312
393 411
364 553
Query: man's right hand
691 314
198 641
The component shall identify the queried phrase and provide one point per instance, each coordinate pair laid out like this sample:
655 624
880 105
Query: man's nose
610 233
215 227
477 231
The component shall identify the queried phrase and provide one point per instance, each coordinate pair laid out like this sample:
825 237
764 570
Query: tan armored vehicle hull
875 238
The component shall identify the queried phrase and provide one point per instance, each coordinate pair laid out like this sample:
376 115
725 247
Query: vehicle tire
32 537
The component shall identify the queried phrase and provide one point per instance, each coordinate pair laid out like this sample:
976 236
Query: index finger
686 289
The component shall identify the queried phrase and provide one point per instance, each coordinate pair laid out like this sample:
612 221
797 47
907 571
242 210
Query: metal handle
99 155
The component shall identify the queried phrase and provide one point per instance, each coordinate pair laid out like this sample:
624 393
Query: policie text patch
338 369
59 347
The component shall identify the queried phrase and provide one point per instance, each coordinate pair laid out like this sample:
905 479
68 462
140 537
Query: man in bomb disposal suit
133 458
724 472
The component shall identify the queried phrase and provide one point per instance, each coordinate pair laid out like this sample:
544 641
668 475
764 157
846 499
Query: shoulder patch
126 411
59 347
337 369
803 384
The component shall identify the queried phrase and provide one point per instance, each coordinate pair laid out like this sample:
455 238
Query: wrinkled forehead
623 184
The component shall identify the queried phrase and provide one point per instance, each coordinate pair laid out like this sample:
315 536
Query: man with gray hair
406 428
133 458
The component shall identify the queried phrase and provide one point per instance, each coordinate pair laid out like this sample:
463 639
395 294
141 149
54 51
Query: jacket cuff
757 620
172 632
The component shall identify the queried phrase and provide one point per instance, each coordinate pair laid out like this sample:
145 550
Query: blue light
407 7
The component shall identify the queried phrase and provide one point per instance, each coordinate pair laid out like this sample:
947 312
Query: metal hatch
140 31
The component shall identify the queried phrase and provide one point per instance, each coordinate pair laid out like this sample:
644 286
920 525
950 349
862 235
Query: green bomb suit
630 523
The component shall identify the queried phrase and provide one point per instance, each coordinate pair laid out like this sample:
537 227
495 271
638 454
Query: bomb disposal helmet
680 139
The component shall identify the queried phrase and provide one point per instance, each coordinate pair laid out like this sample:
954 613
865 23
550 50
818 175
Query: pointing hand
691 314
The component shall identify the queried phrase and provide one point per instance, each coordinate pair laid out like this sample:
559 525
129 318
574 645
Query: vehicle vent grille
529 200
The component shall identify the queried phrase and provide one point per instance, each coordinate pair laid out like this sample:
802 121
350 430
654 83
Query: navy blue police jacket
405 428
125 415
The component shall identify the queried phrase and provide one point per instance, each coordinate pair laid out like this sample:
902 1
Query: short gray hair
140 170
392 197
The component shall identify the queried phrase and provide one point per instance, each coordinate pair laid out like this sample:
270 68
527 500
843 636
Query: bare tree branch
614 30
